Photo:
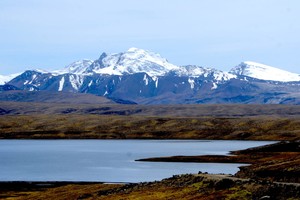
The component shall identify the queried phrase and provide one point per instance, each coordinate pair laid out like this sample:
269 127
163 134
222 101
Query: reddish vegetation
275 162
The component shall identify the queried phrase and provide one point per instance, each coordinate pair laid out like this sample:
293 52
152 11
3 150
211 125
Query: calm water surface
109 160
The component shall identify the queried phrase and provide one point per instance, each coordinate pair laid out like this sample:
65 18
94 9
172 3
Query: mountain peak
103 55
77 67
134 49
136 60
264 72
132 61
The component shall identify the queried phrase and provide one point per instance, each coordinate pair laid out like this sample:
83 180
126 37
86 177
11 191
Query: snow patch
215 86
146 79
76 81
223 76
33 78
90 83
61 84
155 79
192 83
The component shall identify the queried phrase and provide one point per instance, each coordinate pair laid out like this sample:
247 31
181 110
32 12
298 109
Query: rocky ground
197 186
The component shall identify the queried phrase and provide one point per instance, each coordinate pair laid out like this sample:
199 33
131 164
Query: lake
109 160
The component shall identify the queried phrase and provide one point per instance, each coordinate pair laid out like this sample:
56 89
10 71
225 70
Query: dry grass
200 186
143 127
199 110
49 120
67 191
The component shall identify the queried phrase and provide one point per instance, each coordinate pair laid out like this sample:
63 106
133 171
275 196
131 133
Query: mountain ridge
264 72
145 77
136 60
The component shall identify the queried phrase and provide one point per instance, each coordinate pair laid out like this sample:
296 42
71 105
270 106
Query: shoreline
274 162
195 186
276 183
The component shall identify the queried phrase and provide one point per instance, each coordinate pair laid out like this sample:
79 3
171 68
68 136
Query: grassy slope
200 186
47 120
199 110
142 127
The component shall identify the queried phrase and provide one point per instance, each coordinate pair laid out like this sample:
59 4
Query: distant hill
52 97
102 108
7 88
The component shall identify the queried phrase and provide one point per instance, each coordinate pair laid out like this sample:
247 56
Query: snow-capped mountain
264 72
130 62
3 79
77 67
7 78
197 71
136 60
145 77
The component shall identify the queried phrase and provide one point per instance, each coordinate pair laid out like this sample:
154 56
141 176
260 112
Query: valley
273 171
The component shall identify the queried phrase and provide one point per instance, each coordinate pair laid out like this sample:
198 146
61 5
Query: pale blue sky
50 34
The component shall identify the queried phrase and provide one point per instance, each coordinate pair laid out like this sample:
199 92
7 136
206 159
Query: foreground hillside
202 186
59 121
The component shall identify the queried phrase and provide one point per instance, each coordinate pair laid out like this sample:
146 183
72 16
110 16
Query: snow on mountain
264 72
136 60
77 67
42 71
147 78
196 71
191 70
7 78
3 79
132 61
